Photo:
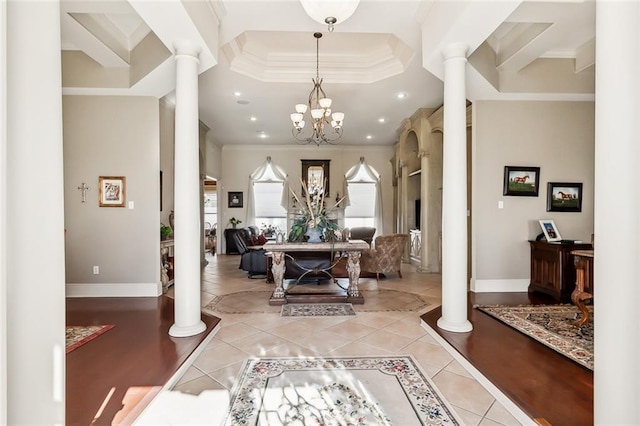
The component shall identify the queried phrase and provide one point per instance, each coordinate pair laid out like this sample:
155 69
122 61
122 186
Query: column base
192 330
456 327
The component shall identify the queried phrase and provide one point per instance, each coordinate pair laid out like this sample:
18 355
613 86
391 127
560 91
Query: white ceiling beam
586 55
92 46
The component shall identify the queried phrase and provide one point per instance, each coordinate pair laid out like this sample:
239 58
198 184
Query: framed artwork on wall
550 230
316 173
521 181
235 199
564 197
112 191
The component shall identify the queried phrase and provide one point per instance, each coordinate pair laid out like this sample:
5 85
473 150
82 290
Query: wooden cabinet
231 247
552 268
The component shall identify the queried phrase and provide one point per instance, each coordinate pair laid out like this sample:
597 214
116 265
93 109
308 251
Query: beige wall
237 163
167 155
112 136
556 136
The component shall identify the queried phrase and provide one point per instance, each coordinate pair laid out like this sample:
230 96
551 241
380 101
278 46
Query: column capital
455 50
187 48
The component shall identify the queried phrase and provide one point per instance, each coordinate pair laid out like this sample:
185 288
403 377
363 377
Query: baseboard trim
500 286
113 290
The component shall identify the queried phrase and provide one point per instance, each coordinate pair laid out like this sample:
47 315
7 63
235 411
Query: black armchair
253 259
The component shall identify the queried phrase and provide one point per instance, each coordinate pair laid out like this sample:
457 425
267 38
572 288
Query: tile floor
381 327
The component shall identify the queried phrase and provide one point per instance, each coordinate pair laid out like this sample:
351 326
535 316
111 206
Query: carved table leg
579 295
353 268
278 268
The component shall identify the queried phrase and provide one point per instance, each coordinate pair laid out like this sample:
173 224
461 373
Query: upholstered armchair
386 256
253 258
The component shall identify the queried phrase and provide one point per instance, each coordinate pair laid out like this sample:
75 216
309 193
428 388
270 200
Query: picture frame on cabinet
550 230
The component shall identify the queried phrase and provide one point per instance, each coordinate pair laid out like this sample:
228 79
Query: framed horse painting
521 181
564 197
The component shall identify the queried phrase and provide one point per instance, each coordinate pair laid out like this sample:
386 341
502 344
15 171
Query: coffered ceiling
380 66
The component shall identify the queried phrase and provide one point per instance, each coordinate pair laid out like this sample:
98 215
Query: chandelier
319 107
330 12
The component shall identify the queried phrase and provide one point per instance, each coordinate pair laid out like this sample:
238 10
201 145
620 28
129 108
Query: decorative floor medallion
551 325
336 391
78 335
317 310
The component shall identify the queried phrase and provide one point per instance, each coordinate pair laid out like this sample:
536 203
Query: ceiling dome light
330 12
401 95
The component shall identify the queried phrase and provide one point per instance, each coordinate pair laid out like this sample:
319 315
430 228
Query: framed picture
521 181
564 197
550 230
235 199
112 191
316 173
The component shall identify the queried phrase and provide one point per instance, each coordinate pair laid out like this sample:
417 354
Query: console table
352 249
552 269
583 260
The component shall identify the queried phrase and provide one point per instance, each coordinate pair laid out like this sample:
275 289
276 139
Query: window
267 197
361 185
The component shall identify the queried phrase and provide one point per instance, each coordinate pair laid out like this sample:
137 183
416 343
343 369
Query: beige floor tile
500 415
212 359
235 331
467 417
426 353
258 344
374 319
195 386
464 392
292 330
351 330
290 350
489 422
385 340
191 374
455 367
358 349
322 342
409 327
227 376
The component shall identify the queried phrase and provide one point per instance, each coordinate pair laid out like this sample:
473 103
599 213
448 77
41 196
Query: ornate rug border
348 308
104 328
339 362
547 342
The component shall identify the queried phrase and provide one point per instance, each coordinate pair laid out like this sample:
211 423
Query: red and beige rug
337 391
78 335
551 325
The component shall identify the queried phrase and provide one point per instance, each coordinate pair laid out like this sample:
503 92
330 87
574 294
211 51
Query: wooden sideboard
552 268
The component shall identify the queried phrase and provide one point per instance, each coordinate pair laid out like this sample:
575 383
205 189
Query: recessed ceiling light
381 120
262 134
369 137
243 102
401 95
236 93
253 119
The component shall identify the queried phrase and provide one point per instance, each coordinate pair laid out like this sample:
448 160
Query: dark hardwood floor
112 378
546 385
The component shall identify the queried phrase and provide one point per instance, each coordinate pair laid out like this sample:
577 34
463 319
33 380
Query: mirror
316 172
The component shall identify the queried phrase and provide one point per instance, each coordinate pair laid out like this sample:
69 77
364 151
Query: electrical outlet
96 270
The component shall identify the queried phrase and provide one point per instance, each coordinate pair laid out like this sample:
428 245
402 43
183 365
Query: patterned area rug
551 325
337 391
256 302
78 335
317 310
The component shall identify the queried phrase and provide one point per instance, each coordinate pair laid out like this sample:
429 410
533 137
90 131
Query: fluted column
188 320
35 290
617 229
454 197
424 211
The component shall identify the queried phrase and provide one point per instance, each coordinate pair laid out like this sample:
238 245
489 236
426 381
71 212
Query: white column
616 220
424 212
454 197
35 274
187 241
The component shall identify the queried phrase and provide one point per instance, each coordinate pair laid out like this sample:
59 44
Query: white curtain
267 172
373 176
